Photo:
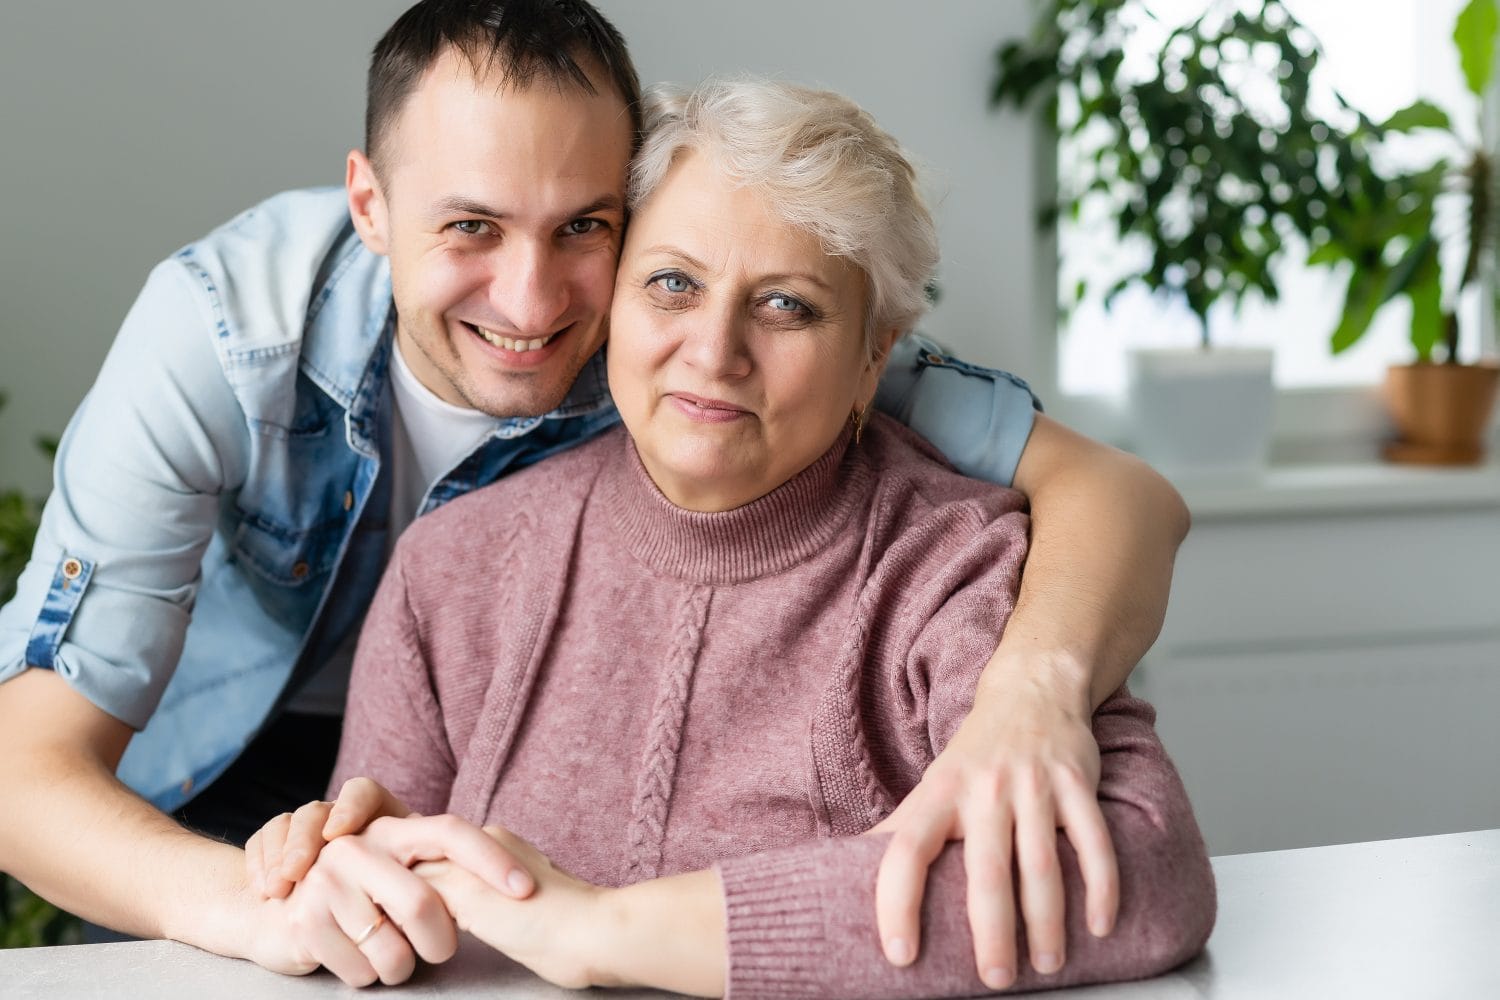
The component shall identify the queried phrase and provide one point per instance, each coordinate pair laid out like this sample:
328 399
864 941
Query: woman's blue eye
785 303
674 283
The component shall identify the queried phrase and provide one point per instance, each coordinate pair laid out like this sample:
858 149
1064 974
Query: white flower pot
1202 413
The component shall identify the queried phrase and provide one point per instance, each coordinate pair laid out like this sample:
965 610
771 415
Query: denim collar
351 320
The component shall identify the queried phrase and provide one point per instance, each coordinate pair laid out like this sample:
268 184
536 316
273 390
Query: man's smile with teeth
509 344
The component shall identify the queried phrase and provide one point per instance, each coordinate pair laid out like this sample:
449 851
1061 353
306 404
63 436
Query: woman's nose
715 344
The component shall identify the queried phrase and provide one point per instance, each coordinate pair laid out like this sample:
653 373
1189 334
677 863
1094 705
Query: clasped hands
388 887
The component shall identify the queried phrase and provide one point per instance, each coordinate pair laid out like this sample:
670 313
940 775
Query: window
1380 58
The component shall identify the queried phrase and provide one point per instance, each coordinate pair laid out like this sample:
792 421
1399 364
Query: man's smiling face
501 211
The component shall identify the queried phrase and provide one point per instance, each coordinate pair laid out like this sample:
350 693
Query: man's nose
530 289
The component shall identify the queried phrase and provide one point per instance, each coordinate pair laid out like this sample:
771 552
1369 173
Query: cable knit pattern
852 799
653 791
665 691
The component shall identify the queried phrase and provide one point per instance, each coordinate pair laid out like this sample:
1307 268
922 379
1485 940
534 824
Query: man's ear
367 207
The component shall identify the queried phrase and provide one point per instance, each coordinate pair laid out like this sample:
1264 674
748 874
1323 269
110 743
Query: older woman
733 638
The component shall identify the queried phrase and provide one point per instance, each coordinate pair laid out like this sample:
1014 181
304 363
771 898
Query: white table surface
1398 918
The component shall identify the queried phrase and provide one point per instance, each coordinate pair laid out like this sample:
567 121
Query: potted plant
1387 233
1211 180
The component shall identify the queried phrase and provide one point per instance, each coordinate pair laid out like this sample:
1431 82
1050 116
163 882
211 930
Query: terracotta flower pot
1441 411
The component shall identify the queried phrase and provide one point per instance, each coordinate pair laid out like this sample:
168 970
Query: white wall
129 129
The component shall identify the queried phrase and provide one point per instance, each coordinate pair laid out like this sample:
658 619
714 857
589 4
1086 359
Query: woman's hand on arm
666 933
1104 535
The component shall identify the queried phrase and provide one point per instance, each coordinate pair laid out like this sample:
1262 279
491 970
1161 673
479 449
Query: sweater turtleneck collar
767 535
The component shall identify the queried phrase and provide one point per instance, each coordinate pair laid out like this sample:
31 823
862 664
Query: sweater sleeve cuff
775 924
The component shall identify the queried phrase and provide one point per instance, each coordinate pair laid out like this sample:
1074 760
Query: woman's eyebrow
665 250
687 258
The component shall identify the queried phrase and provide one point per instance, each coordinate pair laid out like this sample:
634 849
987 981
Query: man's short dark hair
557 41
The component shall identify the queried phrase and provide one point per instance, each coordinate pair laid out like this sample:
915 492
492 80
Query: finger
1083 821
436 838
1042 900
321 935
270 839
360 801
901 882
255 876
371 932
355 880
303 842
269 884
897 819
992 905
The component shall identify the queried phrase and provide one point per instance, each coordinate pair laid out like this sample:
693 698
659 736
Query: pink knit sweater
641 690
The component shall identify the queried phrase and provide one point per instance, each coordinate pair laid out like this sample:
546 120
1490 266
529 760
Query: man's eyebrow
461 205
606 203
667 250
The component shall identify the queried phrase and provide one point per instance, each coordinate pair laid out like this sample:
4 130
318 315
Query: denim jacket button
187 786
348 499
300 570
72 569
934 359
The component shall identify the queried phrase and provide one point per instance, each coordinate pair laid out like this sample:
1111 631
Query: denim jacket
218 519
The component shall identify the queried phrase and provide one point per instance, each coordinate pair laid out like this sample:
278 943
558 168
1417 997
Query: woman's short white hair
821 162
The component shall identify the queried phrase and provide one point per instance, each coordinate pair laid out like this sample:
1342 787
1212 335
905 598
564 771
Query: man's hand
359 910
1020 767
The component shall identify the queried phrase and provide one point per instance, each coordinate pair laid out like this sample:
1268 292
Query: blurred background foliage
1223 155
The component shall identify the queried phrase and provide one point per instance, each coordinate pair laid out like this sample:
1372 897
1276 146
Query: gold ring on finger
369 931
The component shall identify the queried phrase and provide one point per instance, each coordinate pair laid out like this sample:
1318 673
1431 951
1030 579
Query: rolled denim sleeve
106 596
979 417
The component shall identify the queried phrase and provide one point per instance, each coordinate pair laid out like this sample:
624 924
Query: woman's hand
1023 765
280 853
556 933
665 933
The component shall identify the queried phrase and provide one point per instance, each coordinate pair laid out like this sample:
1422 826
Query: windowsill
1354 487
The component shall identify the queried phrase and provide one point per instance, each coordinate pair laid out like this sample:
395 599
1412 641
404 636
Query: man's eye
472 227
582 227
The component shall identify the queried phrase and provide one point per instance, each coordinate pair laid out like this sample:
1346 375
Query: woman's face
736 346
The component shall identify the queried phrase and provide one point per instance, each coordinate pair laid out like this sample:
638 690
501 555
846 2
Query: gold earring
858 417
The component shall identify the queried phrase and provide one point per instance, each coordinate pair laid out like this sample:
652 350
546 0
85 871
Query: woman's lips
704 410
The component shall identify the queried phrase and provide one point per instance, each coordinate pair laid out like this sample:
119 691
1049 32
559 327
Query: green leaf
1417 257
1421 114
1360 303
1328 253
1426 318
1474 34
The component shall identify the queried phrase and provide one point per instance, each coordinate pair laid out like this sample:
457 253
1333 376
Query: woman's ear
367 207
884 341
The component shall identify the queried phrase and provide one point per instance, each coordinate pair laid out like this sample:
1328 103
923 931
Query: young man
292 390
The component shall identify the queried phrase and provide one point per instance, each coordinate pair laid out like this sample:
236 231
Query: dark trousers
288 764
